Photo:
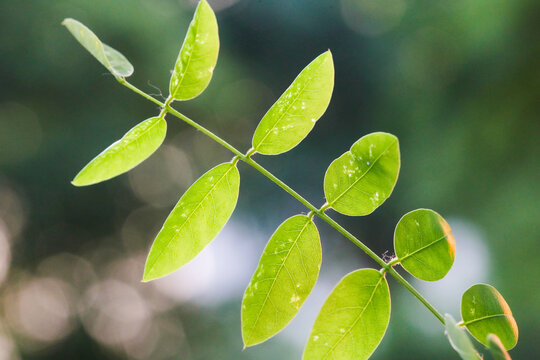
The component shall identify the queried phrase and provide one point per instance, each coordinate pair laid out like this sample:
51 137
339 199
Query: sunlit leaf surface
353 320
284 278
113 60
485 312
424 244
198 55
459 339
132 149
496 348
360 180
295 113
199 216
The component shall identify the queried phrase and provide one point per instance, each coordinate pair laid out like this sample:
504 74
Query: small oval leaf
353 320
133 148
198 55
496 348
424 244
484 311
113 60
361 179
295 113
459 339
288 270
195 221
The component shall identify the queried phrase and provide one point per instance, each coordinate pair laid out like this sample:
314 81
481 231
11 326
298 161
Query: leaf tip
327 55
205 4
77 182
148 274
147 277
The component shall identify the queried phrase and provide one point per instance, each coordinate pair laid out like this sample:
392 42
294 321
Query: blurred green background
457 81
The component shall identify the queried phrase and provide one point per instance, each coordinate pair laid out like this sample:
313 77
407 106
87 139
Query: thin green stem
394 262
325 206
400 279
124 82
319 212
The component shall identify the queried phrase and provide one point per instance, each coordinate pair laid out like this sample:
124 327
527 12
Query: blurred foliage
457 82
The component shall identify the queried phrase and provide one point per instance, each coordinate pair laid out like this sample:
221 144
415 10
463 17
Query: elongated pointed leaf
113 60
459 339
496 348
294 114
199 216
361 179
484 311
198 55
353 320
424 244
287 272
132 149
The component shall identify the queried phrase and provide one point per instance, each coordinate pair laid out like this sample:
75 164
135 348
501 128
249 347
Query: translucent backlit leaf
132 149
198 55
360 180
484 311
353 320
199 216
459 339
496 348
114 61
285 276
294 114
424 244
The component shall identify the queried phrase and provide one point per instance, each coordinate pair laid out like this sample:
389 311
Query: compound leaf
199 216
353 320
459 339
424 244
113 60
361 179
132 149
496 348
198 55
484 311
288 270
294 114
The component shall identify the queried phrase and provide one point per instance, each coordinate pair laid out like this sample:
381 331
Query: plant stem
319 212
394 262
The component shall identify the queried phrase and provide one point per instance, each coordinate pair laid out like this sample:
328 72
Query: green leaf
484 311
459 339
132 149
496 348
361 179
114 61
353 320
294 114
285 276
424 244
198 56
199 216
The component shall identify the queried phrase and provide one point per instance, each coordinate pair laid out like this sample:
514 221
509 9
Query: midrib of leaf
467 323
142 134
423 248
188 218
100 44
190 56
355 321
107 58
274 281
288 107
364 174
